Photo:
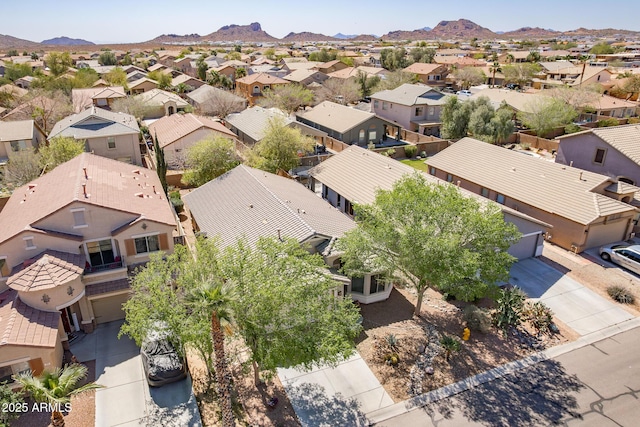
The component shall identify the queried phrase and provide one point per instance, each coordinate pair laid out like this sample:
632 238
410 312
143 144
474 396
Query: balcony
90 269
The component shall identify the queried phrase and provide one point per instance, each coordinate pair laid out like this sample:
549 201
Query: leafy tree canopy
544 114
280 148
59 150
287 98
208 159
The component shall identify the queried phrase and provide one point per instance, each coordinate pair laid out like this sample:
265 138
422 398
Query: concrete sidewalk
340 396
127 400
580 308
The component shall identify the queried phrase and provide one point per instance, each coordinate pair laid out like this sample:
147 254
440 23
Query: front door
66 321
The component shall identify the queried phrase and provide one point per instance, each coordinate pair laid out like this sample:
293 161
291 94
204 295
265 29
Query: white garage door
109 309
526 247
606 233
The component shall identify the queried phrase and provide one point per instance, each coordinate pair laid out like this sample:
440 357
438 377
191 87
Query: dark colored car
161 362
513 86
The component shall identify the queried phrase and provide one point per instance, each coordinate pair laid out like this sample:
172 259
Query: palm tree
56 387
583 59
494 69
241 72
214 296
510 58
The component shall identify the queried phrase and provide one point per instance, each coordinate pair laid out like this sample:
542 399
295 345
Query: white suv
624 255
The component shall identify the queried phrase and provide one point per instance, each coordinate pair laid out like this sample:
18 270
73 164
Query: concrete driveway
340 396
127 400
579 307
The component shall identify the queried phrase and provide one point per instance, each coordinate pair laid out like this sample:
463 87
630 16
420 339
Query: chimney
84 190
85 173
571 163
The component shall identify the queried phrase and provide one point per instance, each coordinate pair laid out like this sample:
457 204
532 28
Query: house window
256 90
432 170
325 191
78 218
4 268
7 372
432 111
373 134
357 285
419 111
29 243
348 207
147 244
384 105
449 177
500 198
339 202
375 103
599 157
100 252
361 135
18 145
111 142
375 285
484 192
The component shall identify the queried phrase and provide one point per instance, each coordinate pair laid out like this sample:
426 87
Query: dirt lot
416 336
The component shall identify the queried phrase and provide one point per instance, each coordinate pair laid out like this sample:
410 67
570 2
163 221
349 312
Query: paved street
597 385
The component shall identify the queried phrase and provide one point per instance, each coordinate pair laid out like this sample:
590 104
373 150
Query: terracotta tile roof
110 184
262 78
24 325
47 270
258 204
528 180
107 287
171 128
420 68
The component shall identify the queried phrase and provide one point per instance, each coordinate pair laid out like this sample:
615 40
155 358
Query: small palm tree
495 68
56 387
214 296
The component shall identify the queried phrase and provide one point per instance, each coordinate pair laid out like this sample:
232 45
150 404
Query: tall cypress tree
161 164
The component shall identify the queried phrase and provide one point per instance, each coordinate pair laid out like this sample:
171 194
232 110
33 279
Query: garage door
526 247
109 309
606 233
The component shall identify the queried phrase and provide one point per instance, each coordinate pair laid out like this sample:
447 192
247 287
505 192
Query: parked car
464 92
161 362
627 256
513 86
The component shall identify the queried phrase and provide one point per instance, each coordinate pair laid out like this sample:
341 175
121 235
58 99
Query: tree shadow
396 308
315 408
541 394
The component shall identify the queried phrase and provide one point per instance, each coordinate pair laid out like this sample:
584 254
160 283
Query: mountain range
460 29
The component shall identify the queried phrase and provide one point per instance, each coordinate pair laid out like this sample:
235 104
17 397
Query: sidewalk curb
417 402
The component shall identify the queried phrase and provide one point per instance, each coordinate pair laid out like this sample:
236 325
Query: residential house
458 61
252 87
414 107
355 175
13 91
161 103
273 206
306 77
24 82
68 242
585 209
518 101
346 124
142 85
331 66
271 70
107 134
612 151
297 64
430 74
17 136
190 82
136 75
250 125
353 72
177 133
204 98
96 96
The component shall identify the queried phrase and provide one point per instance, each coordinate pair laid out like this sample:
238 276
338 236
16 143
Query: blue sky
136 21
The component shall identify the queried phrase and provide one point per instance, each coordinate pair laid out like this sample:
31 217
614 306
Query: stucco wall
126 146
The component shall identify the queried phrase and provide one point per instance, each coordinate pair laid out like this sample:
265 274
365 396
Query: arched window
256 89
361 136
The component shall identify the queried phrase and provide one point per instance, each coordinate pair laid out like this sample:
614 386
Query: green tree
233 56
12 52
395 79
117 77
107 58
469 76
182 88
202 68
602 48
161 164
15 71
280 147
164 80
631 86
430 236
342 91
208 159
126 60
85 77
494 68
58 62
323 55
422 54
59 150
487 124
544 114
520 73
47 107
240 72
9 400
533 57
366 83
56 387
455 118
22 168
270 53
132 105
393 59
288 98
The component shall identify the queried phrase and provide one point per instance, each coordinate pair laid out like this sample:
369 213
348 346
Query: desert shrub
633 120
539 315
392 359
392 340
572 128
477 319
510 305
390 152
621 294
608 122
410 150
176 201
450 345
423 154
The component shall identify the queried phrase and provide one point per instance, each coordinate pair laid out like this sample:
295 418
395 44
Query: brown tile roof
262 78
420 68
107 287
47 270
110 184
171 128
24 325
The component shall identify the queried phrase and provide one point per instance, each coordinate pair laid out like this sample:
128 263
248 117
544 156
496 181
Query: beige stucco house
107 134
17 136
68 243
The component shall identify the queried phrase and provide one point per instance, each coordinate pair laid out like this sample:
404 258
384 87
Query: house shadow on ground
396 308
315 407
542 394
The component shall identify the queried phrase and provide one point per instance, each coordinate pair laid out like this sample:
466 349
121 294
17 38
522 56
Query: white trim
15 361
530 234
77 209
73 301
86 251
137 236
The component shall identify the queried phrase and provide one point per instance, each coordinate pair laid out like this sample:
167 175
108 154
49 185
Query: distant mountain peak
66 41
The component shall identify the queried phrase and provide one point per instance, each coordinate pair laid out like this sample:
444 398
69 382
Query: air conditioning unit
548 236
